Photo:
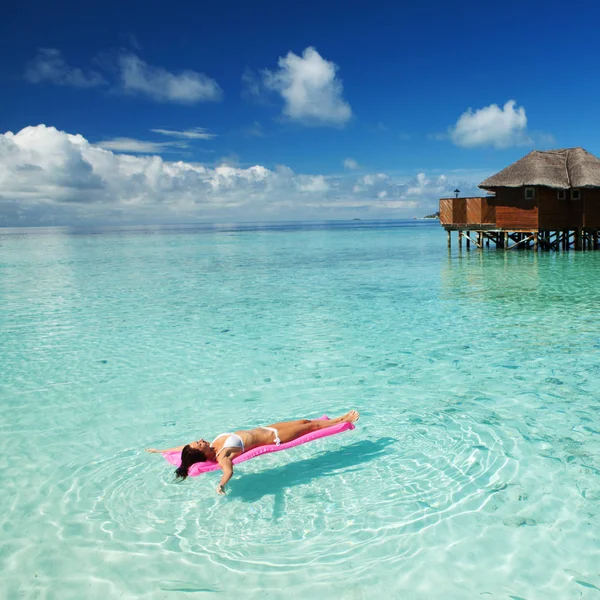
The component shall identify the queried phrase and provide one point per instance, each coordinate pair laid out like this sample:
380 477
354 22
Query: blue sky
157 112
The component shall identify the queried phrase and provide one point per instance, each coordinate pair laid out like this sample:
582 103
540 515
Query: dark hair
189 456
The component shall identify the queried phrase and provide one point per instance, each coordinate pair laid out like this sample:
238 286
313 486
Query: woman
227 446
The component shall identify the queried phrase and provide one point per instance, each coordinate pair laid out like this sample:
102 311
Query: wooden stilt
578 240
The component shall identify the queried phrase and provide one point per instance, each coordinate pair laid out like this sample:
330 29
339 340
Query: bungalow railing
473 211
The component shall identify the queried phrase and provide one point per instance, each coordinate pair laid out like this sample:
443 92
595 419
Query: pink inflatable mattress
204 467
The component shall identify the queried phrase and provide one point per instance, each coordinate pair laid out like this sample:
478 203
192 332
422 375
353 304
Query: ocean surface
474 471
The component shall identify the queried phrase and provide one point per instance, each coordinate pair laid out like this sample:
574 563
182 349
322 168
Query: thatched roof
561 169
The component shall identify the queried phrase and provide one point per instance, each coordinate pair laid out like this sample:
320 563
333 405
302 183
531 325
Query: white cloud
422 186
134 146
49 65
368 182
136 77
312 183
492 126
51 177
196 133
351 164
310 88
185 87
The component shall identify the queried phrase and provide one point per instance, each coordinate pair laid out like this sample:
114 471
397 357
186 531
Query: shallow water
473 472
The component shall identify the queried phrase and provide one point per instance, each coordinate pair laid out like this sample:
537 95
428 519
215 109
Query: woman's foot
350 417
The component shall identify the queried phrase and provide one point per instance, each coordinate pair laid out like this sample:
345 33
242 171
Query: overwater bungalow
548 200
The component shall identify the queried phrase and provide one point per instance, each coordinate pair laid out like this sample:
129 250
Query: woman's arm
154 450
225 462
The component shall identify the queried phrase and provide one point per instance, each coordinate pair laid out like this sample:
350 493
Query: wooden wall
591 205
513 211
453 211
446 211
558 214
480 211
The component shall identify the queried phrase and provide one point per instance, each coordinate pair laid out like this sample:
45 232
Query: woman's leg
291 430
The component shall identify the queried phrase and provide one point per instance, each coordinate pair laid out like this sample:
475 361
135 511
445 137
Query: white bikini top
233 441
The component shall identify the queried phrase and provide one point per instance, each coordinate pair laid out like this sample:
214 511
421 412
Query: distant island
435 215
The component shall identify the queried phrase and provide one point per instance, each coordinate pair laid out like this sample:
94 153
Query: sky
186 112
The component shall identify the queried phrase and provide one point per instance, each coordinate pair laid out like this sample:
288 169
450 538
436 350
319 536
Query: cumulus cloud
196 133
49 65
185 87
423 186
312 183
369 181
48 176
310 88
351 164
492 126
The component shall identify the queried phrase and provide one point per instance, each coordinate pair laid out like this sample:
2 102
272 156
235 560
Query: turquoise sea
474 471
